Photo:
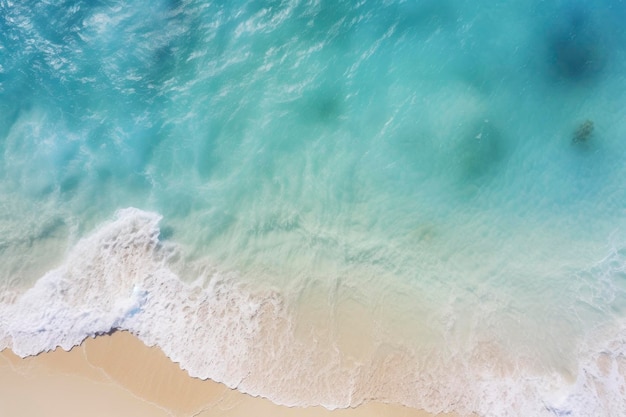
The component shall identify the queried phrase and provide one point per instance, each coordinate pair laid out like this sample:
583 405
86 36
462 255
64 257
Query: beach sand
117 375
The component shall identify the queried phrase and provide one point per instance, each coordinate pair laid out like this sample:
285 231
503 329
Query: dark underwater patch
584 138
70 183
583 133
480 151
325 108
323 104
575 48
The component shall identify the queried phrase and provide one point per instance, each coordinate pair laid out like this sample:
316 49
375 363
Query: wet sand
117 375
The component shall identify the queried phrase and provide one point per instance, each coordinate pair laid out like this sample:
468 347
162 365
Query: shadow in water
575 48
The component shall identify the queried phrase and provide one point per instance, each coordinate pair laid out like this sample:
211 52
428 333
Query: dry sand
117 375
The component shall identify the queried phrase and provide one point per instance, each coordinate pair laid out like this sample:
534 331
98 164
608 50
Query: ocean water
325 202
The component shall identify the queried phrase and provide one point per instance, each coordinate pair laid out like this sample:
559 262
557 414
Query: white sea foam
120 278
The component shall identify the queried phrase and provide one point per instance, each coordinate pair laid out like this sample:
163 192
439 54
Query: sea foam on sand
118 375
119 278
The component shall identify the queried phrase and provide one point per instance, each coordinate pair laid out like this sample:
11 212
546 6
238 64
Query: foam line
119 278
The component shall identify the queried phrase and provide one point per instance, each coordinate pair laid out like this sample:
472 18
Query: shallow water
417 202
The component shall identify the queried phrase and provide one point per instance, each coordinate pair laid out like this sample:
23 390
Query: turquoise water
419 202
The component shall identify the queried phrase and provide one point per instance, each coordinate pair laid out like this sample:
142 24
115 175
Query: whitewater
325 203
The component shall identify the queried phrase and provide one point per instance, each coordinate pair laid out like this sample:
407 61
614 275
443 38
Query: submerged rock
584 132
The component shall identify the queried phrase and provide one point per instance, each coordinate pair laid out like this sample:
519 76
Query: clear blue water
442 181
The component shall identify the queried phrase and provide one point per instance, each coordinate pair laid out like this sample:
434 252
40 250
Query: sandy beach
117 375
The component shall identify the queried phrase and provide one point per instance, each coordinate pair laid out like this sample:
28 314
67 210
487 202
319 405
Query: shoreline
117 374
